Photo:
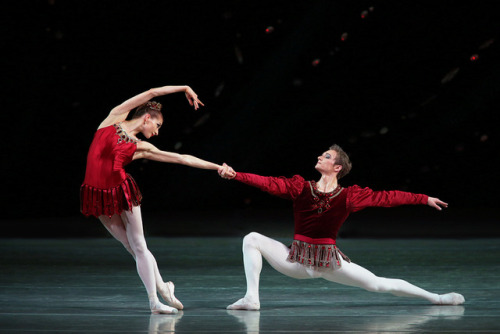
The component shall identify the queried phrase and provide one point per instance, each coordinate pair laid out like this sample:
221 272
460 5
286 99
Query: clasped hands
226 172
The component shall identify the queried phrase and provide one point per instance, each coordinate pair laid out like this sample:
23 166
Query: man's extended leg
354 275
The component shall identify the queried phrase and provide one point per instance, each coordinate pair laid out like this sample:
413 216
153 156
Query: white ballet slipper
451 298
244 304
159 308
167 293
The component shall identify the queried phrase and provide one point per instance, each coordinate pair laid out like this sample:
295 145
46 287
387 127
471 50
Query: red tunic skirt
107 188
107 202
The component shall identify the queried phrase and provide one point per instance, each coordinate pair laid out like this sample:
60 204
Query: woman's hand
226 172
436 203
193 98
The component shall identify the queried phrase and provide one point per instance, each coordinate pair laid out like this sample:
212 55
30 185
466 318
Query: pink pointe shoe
167 293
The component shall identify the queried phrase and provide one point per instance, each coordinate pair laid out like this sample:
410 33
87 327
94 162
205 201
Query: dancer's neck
327 183
132 127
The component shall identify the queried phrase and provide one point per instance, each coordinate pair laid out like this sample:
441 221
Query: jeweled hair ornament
154 105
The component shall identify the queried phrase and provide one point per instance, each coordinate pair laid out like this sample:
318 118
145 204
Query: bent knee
251 239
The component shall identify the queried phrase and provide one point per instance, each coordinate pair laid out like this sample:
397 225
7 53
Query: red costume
318 216
107 188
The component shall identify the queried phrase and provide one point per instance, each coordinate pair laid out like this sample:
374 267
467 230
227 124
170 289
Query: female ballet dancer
112 195
320 208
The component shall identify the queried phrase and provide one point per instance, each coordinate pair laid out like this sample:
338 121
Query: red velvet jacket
320 215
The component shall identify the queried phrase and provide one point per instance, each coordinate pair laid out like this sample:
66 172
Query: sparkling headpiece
154 105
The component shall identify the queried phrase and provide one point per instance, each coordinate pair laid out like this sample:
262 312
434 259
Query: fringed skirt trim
107 202
316 255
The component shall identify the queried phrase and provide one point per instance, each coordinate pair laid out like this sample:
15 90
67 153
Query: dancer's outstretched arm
120 112
148 151
288 188
360 198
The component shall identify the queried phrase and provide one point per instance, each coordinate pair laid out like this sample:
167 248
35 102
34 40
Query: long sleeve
359 198
288 188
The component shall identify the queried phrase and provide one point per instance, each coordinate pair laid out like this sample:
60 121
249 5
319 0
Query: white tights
127 228
256 246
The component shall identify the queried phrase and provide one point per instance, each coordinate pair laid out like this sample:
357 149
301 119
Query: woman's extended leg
116 227
256 246
354 275
145 261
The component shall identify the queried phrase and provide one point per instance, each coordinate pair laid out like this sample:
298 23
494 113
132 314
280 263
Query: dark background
411 93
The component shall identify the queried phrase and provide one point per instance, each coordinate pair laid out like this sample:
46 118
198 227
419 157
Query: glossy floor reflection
91 286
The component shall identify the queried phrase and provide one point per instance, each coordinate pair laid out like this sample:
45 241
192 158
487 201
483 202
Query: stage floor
91 286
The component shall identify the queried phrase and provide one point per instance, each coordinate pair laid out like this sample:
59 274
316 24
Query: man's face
326 162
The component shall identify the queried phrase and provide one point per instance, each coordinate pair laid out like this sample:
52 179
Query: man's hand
436 203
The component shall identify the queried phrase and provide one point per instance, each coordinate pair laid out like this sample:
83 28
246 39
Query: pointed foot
451 298
167 293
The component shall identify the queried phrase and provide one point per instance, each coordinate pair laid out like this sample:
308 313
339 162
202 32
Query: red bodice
107 188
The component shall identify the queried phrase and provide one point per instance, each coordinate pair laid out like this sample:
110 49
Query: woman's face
151 126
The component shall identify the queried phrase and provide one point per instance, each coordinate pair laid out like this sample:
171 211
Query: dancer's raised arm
120 112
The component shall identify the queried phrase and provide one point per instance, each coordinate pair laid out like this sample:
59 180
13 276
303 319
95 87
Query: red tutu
107 202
